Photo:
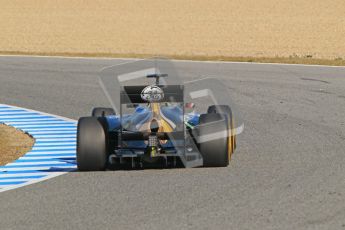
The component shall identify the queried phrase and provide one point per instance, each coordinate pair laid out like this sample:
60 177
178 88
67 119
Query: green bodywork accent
153 151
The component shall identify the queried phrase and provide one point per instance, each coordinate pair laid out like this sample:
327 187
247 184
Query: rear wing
157 76
132 94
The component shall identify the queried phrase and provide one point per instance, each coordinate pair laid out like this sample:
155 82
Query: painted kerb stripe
53 153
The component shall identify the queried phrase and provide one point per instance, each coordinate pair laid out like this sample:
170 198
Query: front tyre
91 144
213 139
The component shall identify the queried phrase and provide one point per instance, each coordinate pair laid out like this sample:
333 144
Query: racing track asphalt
288 171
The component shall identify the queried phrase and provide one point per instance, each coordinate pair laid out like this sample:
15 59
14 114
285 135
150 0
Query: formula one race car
153 126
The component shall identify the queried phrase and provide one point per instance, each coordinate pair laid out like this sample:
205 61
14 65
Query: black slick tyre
225 109
213 140
91 144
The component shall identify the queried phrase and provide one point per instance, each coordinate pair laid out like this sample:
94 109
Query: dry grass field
13 144
227 29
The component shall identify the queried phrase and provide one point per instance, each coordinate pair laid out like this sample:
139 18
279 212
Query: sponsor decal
152 93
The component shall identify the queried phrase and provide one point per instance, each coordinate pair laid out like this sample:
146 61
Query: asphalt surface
288 171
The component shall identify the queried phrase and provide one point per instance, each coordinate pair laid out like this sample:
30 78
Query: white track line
52 148
37 168
48 129
36 119
54 144
19 180
47 140
55 136
42 157
13 113
10 108
23 175
19 116
50 152
173 60
49 176
53 132
38 163
43 125
39 123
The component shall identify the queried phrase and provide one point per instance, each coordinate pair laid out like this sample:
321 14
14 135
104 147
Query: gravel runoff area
13 144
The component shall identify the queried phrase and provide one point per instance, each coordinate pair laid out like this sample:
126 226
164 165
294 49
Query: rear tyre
102 112
213 139
91 144
225 109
